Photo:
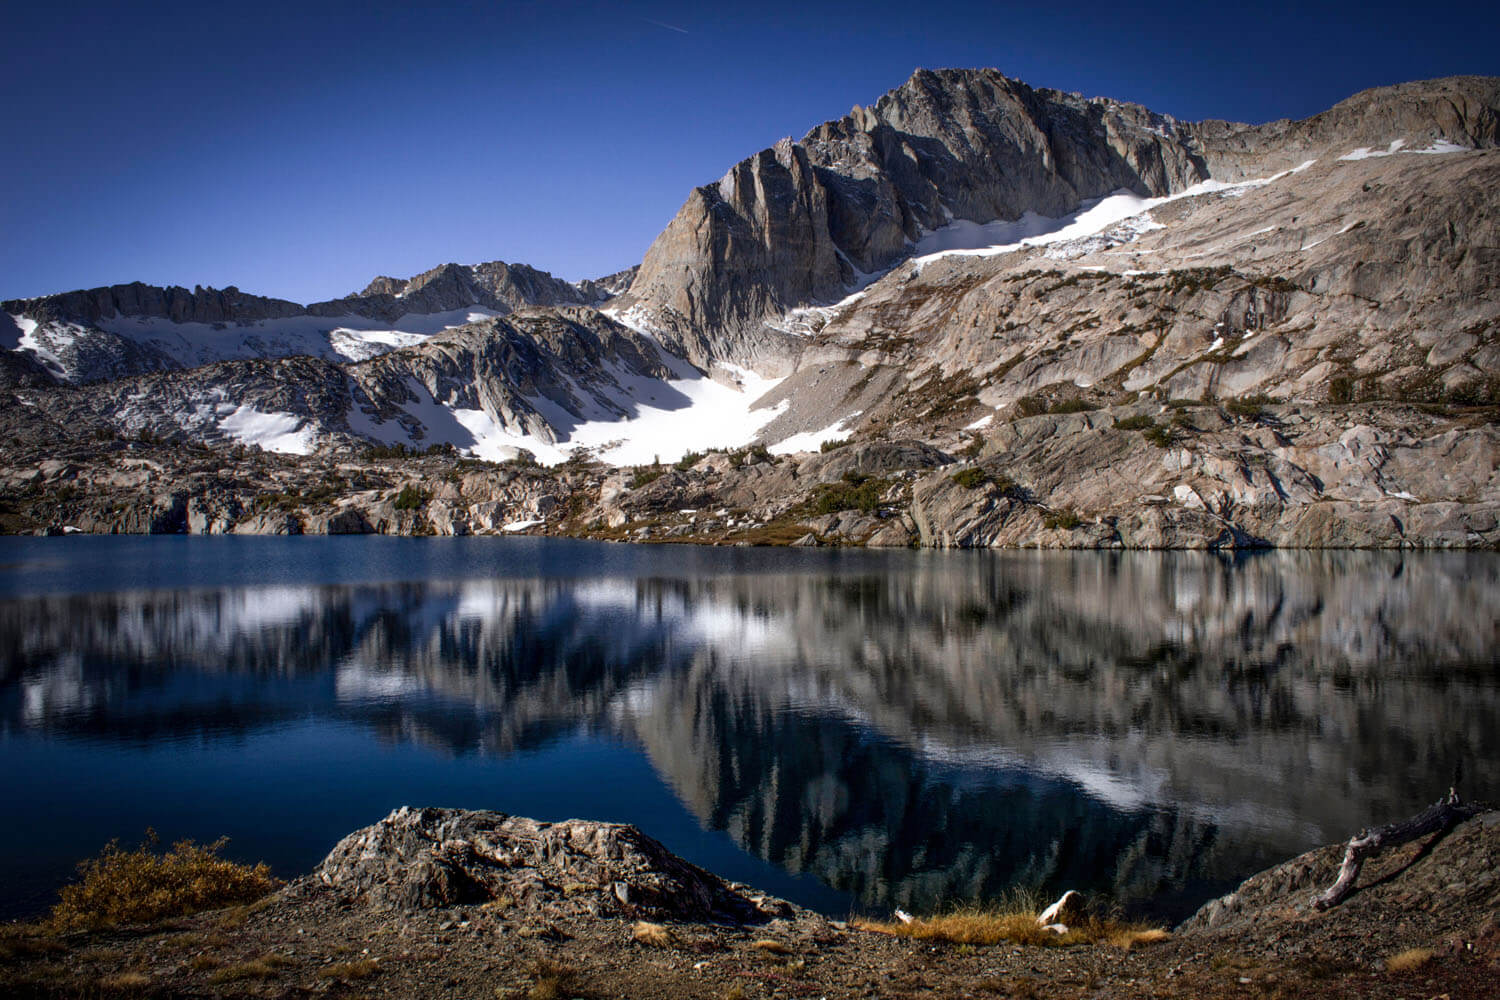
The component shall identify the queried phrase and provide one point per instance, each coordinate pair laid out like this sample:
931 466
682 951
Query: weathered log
1368 843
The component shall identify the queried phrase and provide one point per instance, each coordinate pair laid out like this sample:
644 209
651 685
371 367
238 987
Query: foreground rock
450 857
440 903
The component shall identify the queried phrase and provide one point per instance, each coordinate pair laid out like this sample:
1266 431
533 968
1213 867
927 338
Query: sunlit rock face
944 728
805 222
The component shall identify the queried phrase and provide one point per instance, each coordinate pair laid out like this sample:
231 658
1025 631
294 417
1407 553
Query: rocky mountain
106 333
1136 331
807 221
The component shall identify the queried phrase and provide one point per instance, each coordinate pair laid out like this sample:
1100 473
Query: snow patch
814 440
981 422
665 420
1366 152
1442 146
281 432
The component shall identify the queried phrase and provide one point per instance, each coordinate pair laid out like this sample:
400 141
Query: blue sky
299 150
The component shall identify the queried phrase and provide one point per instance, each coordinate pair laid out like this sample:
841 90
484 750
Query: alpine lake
852 730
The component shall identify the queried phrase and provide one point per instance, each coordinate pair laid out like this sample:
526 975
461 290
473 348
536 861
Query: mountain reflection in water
1155 726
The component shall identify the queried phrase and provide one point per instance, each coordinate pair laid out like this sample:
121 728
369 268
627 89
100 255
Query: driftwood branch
1368 843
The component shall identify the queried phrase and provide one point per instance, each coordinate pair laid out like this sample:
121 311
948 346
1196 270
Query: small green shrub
1065 519
1248 406
289 502
971 478
1007 486
1031 406
855 492
833 445
750 456
1135 422
1162 437
1072 406
410 498
646 476
380 451
689 460
1341 389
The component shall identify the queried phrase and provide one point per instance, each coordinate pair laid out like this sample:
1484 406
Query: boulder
1067 910
418 858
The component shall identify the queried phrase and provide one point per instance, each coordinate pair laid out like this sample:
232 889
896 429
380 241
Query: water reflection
1154 725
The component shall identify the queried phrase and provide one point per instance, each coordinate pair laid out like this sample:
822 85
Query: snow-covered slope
545 382
105 333
124 345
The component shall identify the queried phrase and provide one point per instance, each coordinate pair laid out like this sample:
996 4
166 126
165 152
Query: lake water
853 730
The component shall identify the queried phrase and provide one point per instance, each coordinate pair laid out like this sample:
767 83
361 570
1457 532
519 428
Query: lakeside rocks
1359 476
444 857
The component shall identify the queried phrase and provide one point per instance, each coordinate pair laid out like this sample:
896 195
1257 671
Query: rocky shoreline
440 902
1145 476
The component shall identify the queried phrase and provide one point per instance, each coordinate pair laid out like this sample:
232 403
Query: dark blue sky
299 150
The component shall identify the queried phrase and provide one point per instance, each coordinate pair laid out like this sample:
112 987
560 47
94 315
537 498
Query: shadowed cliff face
1152 726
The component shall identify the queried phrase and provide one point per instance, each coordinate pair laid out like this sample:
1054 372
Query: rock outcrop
1436 892
422 858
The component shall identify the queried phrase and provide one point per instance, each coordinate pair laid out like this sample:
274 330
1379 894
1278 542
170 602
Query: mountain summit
803 222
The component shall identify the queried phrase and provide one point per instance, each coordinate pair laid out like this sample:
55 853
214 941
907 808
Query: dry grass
772 947
1406 961
1128 938
265 967
363 968
23 941
204 963
124 982
142 886
651 934
1014 926
554 981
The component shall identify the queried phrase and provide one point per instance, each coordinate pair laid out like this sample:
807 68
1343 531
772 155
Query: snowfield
191 345
337 338
663 420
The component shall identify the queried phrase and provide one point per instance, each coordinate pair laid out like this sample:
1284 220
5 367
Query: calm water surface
852 730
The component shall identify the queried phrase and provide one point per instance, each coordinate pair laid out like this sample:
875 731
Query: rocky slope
108 333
